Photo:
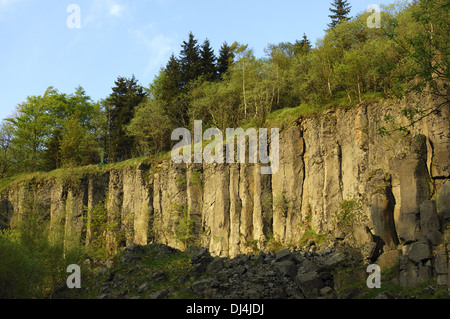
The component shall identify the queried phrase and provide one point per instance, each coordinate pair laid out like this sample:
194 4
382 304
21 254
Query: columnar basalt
401 182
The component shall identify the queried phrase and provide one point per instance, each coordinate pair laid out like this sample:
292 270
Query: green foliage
281 204
181 181
176 265
78 146
196 179
340 10
31 139
33 260
150 128
350 213
225 59
96 227
273 243
311 235
253 245
120 107
184 228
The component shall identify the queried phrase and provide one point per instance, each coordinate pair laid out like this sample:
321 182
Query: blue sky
126 37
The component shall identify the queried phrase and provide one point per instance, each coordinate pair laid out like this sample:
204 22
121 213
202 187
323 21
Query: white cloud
159 47
6 4
103 9
116 10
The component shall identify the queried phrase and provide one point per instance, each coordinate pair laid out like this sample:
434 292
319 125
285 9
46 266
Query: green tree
419 34
171 92
208 67
431 49
280 63
120 105
78 145
225 59
150 128
61 108
30 127
6 160
190 60
303 46
218 104
340 10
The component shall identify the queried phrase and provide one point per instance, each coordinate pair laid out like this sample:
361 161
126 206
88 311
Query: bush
32 265
350 214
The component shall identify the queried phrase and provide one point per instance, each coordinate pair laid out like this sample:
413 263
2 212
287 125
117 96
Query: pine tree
225 59
172 80
208 62
190 60
120 105
303 46
173 92
340 10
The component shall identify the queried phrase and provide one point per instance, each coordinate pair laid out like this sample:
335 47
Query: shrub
350 213
32 265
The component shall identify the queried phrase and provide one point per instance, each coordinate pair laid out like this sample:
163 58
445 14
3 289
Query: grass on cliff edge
69 175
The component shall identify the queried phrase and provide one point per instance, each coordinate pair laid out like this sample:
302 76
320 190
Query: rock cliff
339 180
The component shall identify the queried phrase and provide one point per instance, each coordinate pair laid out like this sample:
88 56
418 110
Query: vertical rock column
287 187
194 193
169 203
411 174
137 205
74 217
57 208
216 208
235 211
114 199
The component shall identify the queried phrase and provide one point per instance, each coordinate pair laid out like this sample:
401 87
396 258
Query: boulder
419 251
215 266
287 268
161 294
136 249
310 284
388 259
283 255
200 262
333 260
130 258
143 288
199 287
159 276
440 262
384 295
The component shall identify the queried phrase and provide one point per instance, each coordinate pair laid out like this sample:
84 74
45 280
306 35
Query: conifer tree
120 105
208 62
225 59
190 60
173 92
340 10
303 46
